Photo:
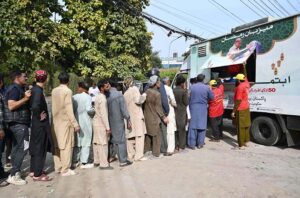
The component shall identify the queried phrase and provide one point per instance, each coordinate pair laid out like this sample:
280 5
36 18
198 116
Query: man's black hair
1 78
14 74
63 78
193 80
83 85
113 82
102 83
200 77
180 80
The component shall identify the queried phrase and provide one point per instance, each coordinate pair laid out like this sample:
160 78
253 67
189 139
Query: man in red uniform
241 112
216 110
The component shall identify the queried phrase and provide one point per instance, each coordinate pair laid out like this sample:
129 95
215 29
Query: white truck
268 52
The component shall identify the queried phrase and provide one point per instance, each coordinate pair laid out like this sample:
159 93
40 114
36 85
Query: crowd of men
100 124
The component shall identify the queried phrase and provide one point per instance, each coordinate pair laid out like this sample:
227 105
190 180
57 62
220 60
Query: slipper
31 174
43 177
3 183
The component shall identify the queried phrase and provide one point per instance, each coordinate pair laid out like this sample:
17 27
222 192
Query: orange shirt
241 93
216 107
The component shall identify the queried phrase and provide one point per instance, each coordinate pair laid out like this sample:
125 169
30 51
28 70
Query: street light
170 49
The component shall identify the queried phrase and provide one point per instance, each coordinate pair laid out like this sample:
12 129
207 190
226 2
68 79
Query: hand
129 125
108 132
166 120
233 115
2 134
27 94
43 116
77 129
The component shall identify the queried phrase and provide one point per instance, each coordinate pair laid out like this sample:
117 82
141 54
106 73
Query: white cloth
171 127
93 92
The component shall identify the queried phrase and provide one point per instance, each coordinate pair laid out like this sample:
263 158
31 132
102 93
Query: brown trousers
152 143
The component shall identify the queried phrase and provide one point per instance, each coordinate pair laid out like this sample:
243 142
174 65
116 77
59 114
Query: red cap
40 75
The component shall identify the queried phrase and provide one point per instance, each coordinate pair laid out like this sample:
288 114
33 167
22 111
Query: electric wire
211 2
257 3
265 4
251 9
205 22
275 6
282 7
229 11
184 19
257 7
292 6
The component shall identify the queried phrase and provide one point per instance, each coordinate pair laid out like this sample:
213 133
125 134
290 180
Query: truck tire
265 131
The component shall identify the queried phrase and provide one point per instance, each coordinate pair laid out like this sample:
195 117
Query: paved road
214 171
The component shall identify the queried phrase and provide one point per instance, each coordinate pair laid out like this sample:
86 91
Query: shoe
214 140
69 173
16 179
199 147
8 166
75 165
183 151
127 163
106 168
96 165
86 166
168 154
142 159
3 174
112 159
192 148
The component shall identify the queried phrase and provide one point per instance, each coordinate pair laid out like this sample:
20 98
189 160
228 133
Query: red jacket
216 107
241 93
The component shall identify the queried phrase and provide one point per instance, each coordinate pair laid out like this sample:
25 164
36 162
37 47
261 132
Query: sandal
31 174
43 177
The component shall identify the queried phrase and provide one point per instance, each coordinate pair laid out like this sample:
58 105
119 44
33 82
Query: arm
69 109
101 107
164 100
158 108
35 103
185 98
210 94
139 99
1 114
13 102
172 98
123 107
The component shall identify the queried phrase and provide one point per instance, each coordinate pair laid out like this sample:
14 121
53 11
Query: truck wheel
265 131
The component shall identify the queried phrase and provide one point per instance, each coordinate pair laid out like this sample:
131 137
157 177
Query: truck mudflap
292 136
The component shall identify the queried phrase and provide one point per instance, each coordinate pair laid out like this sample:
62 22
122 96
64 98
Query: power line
292 6
182 18
210 1
282 7
267 11
251 9
269 8
157 21
284 14
214 26
229 11
257 7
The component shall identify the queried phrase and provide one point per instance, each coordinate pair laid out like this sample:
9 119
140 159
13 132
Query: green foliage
168 73
92 39
155 60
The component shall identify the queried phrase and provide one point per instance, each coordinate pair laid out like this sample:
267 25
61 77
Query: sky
208 19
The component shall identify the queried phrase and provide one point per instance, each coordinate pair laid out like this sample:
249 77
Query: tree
155 60
93 37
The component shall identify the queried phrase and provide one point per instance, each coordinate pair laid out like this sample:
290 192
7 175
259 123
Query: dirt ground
214 171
